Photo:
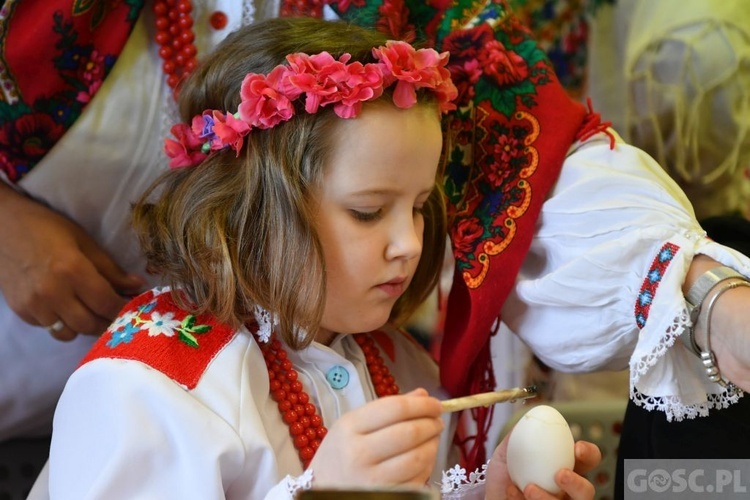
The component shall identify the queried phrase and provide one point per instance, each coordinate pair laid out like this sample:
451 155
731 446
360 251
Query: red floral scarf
509 137
54 56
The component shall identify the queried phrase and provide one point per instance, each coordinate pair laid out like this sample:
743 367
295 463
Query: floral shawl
54 56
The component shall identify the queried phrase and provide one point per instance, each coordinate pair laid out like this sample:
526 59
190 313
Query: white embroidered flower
161 324
455 484
266 323
452 478
160 290
122 321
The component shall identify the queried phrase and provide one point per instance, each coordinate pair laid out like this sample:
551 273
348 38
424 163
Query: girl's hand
392 441
573 485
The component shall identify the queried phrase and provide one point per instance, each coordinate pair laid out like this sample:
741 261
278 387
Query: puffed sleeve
601 285
123 430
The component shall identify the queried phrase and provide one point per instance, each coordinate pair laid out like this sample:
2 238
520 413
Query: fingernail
565 477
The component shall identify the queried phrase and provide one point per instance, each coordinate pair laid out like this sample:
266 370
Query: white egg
540 444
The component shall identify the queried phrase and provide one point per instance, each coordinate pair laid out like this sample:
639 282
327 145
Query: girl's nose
406 238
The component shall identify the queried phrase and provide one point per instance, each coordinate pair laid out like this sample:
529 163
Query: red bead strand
382 380
174 34
305 424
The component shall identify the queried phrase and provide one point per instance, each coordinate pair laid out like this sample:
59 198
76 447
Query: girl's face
381 171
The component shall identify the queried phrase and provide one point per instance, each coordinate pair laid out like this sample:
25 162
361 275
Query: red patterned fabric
152 329
508 141
54 56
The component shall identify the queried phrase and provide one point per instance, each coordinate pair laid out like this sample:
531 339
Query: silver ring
55 327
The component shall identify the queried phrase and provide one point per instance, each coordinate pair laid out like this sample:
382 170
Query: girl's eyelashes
378 214
366 216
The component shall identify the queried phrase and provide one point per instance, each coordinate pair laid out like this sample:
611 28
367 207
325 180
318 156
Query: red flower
393 20
186 150
344 5
505 66
465 45
415 69
465 77
465 236
26 140
229 131
325 80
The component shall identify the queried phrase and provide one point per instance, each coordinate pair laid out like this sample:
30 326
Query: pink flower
264 105
186 150
229 131
363 83
423 68
318 77
324 80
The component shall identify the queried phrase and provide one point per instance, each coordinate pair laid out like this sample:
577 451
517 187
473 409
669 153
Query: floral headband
267 100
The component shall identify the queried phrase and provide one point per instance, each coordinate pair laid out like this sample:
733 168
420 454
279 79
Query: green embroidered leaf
530 51
12 112
505 102
201 329
135 8
188 322
99 12
525 87
80 7
187 338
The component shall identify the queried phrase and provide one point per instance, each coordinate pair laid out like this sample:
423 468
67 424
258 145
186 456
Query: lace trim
676 410
266 323
248 12
454 480
294 485
679 324
673 406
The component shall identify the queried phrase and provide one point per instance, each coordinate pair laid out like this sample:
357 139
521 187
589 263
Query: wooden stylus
488 398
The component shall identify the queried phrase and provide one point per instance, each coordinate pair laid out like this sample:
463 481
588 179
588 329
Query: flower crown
267 100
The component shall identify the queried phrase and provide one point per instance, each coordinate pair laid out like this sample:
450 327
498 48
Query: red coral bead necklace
305 424
175 36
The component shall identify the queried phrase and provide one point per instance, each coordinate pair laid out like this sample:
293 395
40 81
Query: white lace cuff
455 484
294 485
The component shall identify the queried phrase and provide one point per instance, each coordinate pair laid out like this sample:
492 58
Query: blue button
338 377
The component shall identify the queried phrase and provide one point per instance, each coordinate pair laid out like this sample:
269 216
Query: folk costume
579 242
195 405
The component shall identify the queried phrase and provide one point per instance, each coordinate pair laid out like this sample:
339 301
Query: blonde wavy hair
235 232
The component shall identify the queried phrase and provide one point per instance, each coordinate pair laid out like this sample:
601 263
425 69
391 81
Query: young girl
291 229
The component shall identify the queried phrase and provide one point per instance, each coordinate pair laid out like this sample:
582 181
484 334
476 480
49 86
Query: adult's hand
392 441
571 482
53 273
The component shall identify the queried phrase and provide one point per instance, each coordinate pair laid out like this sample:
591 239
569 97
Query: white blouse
123 429
601 285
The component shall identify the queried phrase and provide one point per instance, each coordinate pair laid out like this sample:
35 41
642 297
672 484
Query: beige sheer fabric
674 77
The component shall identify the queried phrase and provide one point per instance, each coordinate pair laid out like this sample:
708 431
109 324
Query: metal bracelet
698 293
707 356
